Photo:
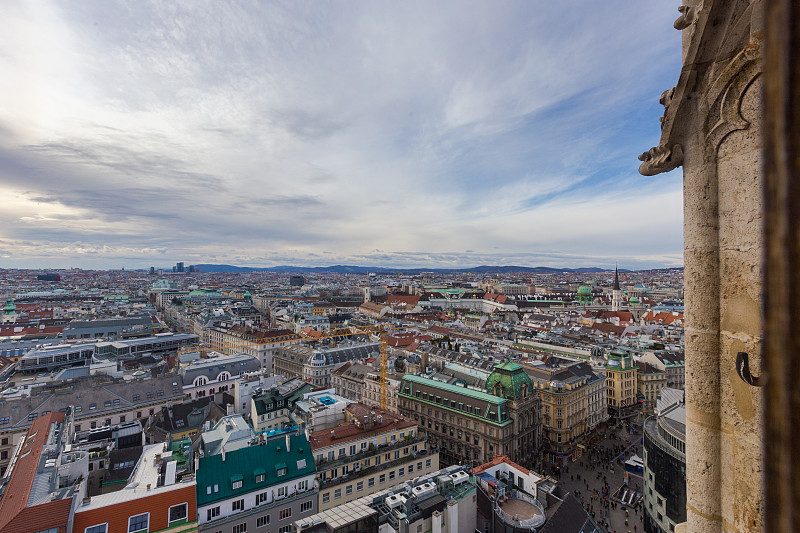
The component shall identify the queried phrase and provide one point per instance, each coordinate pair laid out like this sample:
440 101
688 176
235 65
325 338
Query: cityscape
470 397
395 268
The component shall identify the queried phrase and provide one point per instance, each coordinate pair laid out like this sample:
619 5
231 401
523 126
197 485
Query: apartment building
651 381
370 451
215 375
272 408
159 495
573 403
672 363
33 498
443 502
316 365
265 485
621 384
372 390
95 401
348 380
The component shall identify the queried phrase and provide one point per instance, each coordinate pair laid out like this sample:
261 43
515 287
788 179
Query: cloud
270 131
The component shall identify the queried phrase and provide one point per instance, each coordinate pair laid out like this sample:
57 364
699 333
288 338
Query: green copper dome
509 381
10 308
633 300
584 289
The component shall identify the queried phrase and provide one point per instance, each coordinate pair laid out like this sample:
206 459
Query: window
237 505
281 492
236 484
411 468
401 472
349 489
285 513
360 486
137 397
92 406
140 522
33 416
100 528
326 497
337 494
262 521
285 529
261 498
240 528
306 506
259 478
178 512
107 403
382 479
371 482
428 463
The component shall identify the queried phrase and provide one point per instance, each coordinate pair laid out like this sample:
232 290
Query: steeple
616 293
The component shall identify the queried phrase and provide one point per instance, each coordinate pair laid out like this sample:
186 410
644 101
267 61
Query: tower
616 293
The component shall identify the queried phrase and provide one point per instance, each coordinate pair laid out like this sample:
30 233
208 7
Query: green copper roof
509 380
478 395
584 289
10 308
244 464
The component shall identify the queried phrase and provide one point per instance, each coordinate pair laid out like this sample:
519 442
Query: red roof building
33 500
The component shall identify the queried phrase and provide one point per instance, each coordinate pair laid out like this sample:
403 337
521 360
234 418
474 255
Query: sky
311 133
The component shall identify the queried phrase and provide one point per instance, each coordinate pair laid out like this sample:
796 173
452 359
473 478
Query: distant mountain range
350 269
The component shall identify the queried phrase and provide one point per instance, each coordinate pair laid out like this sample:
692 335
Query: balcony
521 511
369 452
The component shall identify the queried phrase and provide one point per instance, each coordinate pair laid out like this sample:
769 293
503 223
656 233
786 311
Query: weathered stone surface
714 115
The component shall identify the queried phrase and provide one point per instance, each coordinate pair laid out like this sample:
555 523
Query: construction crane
378 329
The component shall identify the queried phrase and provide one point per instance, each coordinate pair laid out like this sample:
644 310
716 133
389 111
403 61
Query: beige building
621 384
372 450
573 403
651 381
469 425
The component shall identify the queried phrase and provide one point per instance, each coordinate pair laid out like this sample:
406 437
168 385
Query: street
597 477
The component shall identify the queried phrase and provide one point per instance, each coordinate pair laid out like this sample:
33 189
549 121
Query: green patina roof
584 289
10 308
511 379
478 395
245 463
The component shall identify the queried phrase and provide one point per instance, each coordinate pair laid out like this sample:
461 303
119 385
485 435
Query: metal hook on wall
743 369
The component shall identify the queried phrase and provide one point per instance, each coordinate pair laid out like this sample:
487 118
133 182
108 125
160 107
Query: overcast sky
315 133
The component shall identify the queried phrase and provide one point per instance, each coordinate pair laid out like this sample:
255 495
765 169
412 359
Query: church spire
616 278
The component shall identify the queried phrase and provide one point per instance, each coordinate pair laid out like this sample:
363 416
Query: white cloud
271 131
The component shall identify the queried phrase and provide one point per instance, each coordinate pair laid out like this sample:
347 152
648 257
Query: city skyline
443 135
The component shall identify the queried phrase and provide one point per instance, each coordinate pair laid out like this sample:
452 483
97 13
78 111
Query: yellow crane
378 329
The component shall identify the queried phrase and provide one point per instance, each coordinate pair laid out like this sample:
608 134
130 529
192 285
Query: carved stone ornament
661 159
687 18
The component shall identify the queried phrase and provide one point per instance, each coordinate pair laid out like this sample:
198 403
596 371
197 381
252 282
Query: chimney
288 443
148 486
333 434
223 454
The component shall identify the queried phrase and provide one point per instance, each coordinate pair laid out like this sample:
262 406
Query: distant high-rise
179 267
152 270
297 281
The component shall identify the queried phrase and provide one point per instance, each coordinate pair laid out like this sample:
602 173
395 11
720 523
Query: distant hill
351 269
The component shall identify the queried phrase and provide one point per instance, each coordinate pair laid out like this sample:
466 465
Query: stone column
711 126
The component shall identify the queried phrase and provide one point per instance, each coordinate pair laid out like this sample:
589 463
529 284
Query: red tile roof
498 459
14 514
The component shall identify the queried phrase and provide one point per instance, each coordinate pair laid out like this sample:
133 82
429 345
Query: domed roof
633 300
509 381
584 289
